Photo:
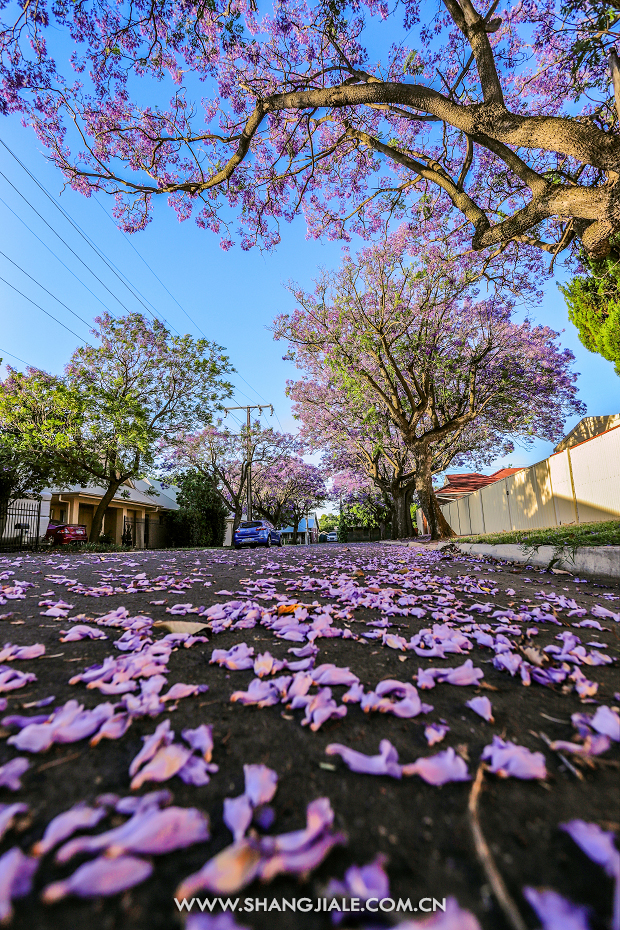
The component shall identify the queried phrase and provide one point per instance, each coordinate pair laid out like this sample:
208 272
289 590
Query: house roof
458 485
302 526
134 493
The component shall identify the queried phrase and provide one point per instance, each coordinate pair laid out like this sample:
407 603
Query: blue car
256 533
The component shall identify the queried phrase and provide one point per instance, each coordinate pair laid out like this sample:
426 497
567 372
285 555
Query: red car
60 534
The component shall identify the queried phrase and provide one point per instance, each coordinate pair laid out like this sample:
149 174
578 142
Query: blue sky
232 296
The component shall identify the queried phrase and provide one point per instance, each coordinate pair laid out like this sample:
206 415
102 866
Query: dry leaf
180 626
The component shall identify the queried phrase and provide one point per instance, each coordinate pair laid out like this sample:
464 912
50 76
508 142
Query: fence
19 525
578 485
144 534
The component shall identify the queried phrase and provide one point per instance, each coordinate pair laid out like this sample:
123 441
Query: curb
602 561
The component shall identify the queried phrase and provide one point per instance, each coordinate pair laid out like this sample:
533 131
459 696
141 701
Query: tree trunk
401 515
237 519
438 525
295 529
97 525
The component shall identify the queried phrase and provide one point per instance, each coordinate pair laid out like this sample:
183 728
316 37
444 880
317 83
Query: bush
201 518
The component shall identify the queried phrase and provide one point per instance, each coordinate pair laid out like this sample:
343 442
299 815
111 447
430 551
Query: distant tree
361 503
118 405
201 518
328 522
414 340
226 457
594 305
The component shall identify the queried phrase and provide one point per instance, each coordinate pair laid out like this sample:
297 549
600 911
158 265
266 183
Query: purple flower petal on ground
362 882
201 740
113 728
354 695
149 831
555 912
163 831
607 722
11 773
238 815
164 764
464 674
481 706
386 763
426 678
596 843
319 818
226 873
16 873
162 736
439 769
435 732
510 760
179 691
132 804
79 632
196 771
331 675
11 680
303 861
79 817
239 657
102 877
8 813
261 783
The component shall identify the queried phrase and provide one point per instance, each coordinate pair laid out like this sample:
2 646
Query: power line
44 289
25 199
181 307
114 268
155 275
110 264
3 352
44 311
57 257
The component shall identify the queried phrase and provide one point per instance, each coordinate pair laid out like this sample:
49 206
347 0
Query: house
308 534
138 509
578 483
458 485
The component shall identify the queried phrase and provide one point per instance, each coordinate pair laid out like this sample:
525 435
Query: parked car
332 537
61 534
256 533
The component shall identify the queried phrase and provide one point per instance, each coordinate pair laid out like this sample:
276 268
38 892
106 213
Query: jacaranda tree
431 355
226 457
499 120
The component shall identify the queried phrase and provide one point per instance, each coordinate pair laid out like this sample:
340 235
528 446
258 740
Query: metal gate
19 525
144 534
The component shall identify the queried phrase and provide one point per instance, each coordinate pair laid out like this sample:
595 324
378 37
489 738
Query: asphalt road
423 830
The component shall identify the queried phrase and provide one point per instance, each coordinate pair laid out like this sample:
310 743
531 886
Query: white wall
577 485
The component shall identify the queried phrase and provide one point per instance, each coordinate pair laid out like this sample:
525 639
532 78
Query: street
324 609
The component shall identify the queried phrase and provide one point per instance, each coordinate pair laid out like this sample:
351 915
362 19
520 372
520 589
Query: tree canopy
421 348
500 120
118 404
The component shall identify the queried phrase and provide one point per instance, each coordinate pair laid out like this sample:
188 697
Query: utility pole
260 408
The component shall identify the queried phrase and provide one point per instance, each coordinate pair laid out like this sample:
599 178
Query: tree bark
401 515
97 524
438 525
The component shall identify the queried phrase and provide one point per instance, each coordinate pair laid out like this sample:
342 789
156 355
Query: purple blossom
386 763
101 877
510 760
